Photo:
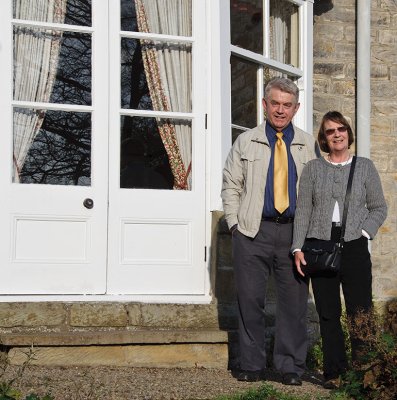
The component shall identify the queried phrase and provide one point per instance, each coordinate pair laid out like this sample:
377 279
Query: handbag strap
347 200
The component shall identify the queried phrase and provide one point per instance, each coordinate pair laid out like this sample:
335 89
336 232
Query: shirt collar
288 132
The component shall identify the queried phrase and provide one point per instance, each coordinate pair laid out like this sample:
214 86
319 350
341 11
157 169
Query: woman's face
337 136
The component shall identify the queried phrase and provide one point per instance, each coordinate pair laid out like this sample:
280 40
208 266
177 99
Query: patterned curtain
36 53
168 74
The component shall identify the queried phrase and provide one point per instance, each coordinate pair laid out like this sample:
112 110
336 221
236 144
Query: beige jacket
245 173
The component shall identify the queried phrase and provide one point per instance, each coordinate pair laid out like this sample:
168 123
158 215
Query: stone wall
116 333
334 89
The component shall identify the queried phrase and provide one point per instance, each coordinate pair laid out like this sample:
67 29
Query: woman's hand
299 260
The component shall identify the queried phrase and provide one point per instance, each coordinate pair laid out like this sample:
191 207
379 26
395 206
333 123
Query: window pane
145 160
244 93
168 68
235 133
284 32
52 66
246 24
57 153
168 17
76 12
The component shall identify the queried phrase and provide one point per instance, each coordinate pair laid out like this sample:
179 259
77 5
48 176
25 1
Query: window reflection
143 159
61 151
78 12
284 32
244 93
170 9
69 67
246 24
170 75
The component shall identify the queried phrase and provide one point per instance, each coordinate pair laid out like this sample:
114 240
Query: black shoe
291 378
334 383
249 376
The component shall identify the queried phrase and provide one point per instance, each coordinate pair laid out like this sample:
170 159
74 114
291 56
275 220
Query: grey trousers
254 261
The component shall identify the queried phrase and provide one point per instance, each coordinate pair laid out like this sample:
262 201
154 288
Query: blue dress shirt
268 208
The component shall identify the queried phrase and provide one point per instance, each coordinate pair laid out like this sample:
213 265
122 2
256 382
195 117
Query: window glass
176 16
246 24
145 154
168 68
71 12
52 66
284 32
244 92
60 153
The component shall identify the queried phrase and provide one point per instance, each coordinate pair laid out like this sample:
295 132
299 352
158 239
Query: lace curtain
36 53
168 72
284 32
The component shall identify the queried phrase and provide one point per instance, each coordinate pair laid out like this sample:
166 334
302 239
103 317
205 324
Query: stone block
379 71
98 314
381 126
384 107
383 89
387 36
336 70
324 103
346 88
148 356
383 54
321 85
388 5
134 314
32 314
328 32
380 18
181 316
345 51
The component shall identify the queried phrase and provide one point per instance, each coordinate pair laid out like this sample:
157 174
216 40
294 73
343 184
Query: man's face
280 108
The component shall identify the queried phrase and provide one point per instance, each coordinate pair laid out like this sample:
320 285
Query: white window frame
220 140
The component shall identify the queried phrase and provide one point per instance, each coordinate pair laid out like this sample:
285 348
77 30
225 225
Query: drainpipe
363 65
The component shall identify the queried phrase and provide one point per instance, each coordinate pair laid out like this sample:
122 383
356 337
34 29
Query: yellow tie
281 200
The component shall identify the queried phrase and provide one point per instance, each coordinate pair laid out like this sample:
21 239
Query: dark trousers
355 276
254 261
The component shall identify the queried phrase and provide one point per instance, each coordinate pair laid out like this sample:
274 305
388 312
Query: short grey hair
283 84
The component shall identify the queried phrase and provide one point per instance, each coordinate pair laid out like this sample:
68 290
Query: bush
374 374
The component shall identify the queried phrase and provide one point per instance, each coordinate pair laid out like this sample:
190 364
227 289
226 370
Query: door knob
88 203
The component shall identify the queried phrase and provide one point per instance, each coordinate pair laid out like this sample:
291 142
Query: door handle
88 203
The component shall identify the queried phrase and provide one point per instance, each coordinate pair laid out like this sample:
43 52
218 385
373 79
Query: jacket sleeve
376 203
304 206
232 184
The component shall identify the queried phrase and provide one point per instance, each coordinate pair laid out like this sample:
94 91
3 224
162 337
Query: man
259 195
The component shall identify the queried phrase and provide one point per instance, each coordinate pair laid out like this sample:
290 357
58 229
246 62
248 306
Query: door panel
157 196
54 151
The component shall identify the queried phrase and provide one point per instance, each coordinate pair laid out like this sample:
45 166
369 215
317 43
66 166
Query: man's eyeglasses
340 129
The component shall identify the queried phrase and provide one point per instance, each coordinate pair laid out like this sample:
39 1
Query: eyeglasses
340 129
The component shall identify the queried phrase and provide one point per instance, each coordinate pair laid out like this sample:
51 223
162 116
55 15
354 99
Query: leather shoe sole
292 379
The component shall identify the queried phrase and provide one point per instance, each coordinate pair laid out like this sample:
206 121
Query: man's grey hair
283 84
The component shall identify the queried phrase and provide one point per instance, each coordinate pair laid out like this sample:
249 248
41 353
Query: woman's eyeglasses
340 129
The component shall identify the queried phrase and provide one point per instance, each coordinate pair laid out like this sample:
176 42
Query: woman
318 215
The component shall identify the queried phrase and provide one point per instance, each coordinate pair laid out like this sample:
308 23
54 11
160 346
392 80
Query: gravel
122 383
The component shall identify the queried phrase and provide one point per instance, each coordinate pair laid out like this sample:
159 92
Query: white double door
100 238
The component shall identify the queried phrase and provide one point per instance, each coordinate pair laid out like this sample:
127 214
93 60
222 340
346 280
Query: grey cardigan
322 184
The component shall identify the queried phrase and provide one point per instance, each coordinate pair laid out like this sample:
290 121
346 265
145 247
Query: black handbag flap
316 246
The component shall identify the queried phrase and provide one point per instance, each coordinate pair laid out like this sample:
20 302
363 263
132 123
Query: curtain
284 32
168 72
278 31
36 53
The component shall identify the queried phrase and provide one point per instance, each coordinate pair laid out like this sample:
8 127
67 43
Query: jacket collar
259 135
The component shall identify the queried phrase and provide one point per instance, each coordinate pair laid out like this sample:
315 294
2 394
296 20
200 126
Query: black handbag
325 255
